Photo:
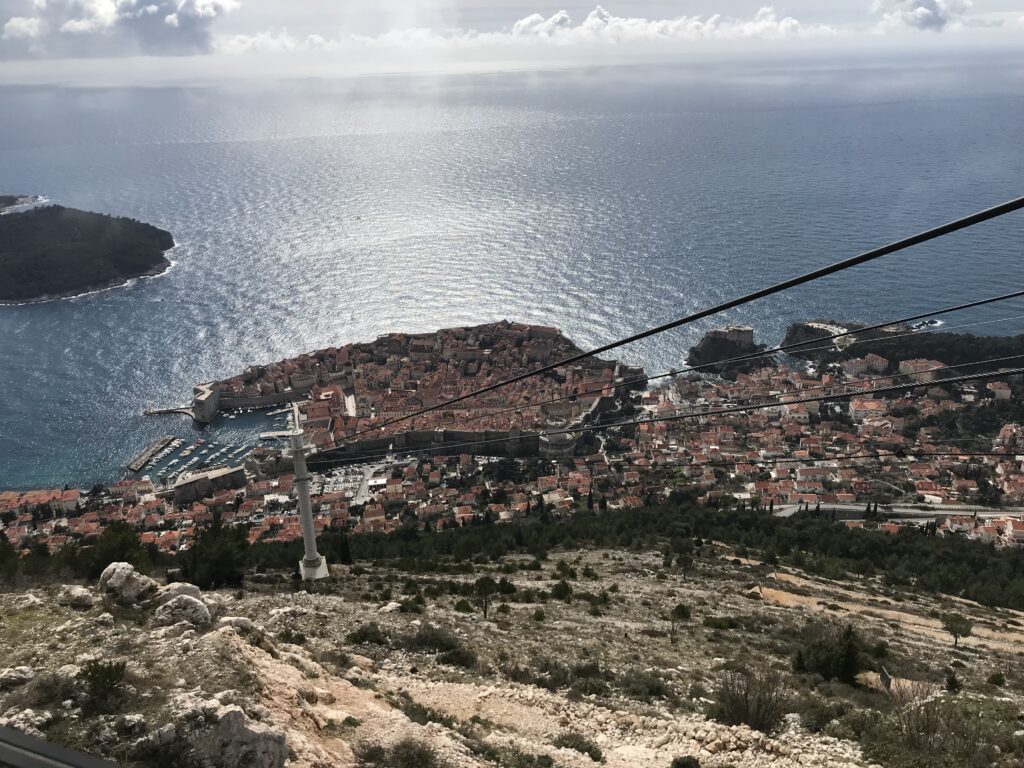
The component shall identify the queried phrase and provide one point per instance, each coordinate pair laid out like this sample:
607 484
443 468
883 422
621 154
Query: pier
183 410
141 459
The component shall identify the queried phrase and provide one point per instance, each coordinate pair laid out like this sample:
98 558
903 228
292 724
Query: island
51 252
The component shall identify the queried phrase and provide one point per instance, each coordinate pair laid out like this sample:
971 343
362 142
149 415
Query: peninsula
51 252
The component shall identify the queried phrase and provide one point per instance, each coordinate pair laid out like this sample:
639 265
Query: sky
107 41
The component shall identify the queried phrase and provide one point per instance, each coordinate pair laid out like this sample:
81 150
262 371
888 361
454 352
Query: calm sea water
314 214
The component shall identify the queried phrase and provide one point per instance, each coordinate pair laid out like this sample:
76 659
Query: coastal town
784 436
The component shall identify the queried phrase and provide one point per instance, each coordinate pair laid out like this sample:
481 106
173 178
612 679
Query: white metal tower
313 565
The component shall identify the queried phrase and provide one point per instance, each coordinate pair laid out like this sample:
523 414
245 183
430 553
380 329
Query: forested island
52 252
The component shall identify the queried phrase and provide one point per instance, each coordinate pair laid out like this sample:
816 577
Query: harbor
140 460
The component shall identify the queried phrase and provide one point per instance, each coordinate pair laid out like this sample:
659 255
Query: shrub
720 622
431 638
538 615
423 715
685 762
368 634
589 686
562 591
816 714
458 657
46 688
833 653
463 606
942 732
996 678
953 683
289 635
580 743
103 683
757 698
646 686
407 753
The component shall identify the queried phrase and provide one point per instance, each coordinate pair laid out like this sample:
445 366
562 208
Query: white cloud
599 27
602 26
934 15
114 27
20 28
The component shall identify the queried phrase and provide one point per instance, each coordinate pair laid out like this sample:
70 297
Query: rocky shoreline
158 269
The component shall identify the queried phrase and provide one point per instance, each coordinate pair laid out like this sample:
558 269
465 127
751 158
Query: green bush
757 698
463 606
996 678
289 635
423 715
685 762
720 622
458 657
103 681
645 686
407 753
831 652
368 634
580 743
431 638
942 732
562 591
538 615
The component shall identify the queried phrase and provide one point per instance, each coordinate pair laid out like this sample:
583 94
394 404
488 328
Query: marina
140 460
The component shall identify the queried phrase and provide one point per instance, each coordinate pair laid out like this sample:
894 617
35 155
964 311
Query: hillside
52 251
578 662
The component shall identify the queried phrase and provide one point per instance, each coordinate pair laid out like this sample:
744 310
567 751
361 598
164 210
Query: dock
141 459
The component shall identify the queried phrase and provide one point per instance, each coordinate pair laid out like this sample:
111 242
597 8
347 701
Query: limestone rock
176 588
75 596
214 604
182 608
174 630
12 677
392 607
233 739
105 620
29 601
26 720
238 622
127 585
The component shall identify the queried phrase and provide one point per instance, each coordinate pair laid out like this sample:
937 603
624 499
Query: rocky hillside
625 659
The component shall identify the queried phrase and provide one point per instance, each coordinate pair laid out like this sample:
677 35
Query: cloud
933 15
599 27
602 26
83 28
20 28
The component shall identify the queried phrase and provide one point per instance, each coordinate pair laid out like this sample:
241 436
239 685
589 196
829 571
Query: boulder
105 620
176 588
75 596
392 607
182 608
233 739
237 622
125 584
29 601
214 604
26 720
12 677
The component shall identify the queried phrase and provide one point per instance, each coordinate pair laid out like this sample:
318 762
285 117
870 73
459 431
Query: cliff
722 344
52 252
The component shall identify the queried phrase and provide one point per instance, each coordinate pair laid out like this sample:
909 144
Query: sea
601 200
